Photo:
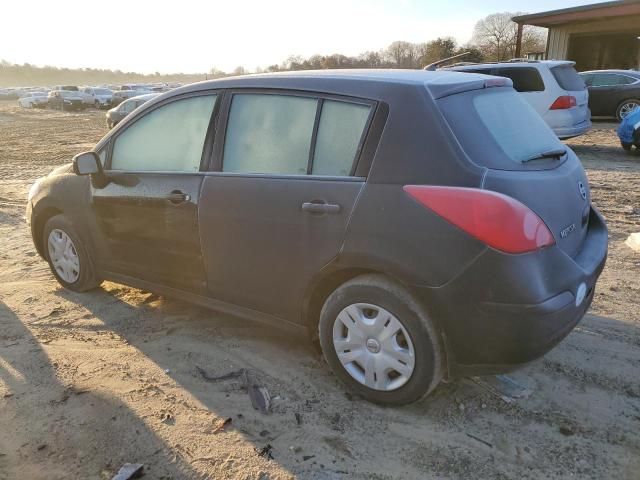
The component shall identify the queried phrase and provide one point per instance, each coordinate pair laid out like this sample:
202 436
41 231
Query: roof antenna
432 67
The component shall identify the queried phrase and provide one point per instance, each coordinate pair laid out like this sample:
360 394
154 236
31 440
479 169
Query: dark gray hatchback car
420 225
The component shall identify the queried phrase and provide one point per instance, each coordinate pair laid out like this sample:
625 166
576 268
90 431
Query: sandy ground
90 381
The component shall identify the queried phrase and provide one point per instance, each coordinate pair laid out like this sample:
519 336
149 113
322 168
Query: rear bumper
504 310
574 130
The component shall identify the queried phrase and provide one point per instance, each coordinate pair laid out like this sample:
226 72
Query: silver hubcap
373 346
627 108
63 255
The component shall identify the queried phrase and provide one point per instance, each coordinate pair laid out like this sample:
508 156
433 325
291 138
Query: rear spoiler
478 82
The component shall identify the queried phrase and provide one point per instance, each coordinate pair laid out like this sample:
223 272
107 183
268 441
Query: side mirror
87 163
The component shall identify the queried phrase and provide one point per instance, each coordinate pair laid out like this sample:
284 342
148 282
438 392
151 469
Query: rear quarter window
568 78
524 79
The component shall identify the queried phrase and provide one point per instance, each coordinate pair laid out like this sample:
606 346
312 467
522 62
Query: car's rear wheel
68 255
380 342
626 107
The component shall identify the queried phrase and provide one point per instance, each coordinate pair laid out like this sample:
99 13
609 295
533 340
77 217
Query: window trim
223 123
209 136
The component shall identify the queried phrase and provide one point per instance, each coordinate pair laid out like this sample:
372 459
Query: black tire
626 146
623 103
86 277
381 291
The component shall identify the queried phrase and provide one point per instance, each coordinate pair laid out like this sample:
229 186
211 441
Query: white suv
552 87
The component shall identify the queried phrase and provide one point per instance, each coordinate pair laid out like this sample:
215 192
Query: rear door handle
316 207
176 196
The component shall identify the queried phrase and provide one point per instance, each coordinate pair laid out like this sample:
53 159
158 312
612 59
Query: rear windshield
524 79
568 78
498 129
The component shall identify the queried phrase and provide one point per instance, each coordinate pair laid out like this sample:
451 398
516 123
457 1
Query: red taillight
493 218
563 102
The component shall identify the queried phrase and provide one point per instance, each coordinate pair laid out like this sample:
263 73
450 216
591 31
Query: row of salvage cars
71 97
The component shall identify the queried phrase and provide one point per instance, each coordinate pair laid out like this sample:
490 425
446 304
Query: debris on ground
226 422
129 470
307 457
220 378
259 395
566 430
260 398
298 418
265 452
503 387
479 440
167 418
633 241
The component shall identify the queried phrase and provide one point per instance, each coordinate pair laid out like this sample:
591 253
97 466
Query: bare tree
400 54
496 34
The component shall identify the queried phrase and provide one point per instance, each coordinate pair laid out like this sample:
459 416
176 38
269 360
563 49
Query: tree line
494 39
14 75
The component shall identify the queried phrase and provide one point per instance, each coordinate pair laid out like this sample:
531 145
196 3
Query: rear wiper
555 153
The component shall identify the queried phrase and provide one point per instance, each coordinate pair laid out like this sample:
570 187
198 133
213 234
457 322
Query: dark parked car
120 96
421 225
65 100
115 115
612 93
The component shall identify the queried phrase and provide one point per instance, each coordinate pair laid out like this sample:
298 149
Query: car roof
440 83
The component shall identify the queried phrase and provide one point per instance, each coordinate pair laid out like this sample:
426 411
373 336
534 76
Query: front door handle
318 207
176 197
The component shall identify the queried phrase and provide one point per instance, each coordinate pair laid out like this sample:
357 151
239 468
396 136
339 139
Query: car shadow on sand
51 430
315 429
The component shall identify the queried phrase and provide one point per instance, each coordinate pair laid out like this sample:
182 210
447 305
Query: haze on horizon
194 36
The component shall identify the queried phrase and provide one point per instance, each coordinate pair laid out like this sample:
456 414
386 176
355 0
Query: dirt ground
91 381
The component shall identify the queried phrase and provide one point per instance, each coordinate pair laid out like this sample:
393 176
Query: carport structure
599 36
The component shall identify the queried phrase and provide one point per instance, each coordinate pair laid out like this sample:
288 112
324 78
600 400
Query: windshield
498 129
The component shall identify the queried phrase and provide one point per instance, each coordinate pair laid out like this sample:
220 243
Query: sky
191 36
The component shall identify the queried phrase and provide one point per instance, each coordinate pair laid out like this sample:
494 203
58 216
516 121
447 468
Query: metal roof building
597 36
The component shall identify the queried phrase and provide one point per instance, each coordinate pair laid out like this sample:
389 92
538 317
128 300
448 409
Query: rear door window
498 129
525 79
293 135
269 134
568 78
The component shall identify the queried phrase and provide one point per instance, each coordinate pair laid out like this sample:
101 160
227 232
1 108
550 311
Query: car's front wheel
626 107
380 342
68 255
